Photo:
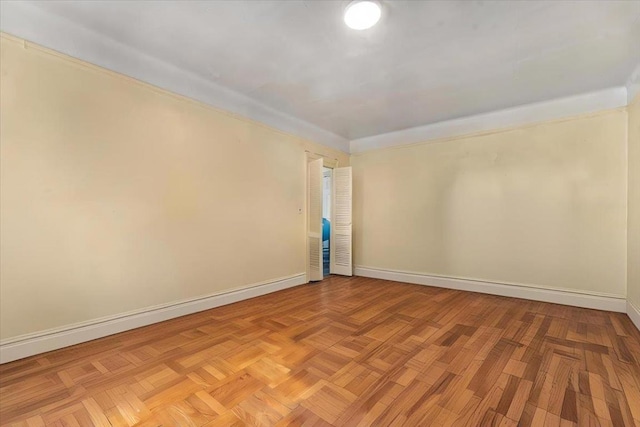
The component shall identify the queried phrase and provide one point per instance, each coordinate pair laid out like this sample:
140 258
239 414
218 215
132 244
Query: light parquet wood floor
346 351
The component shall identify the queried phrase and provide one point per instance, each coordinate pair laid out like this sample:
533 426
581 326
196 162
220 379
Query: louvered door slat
314 226
341 230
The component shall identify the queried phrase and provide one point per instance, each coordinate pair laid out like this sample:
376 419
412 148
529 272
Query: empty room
319 213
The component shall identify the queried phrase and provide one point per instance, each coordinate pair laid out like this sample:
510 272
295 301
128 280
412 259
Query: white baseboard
557 296
53 339
634 314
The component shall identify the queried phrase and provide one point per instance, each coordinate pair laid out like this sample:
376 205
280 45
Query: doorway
329 227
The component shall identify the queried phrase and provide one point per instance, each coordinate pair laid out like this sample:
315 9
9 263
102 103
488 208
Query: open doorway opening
326 219
329 229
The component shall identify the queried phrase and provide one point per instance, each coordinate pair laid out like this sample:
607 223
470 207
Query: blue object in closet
326 229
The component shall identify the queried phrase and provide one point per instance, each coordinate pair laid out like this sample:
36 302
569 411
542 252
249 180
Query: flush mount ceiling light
362 14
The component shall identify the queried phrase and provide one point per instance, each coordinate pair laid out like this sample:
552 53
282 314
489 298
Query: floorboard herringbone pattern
346 351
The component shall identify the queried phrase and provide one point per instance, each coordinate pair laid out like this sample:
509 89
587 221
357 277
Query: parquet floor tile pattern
344 352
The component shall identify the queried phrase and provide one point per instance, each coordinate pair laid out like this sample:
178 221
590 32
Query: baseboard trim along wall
557 296
634 314
53 339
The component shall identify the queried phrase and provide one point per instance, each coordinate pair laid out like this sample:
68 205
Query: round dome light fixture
362 14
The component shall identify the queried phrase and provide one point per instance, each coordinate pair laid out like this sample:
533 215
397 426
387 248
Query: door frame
327 162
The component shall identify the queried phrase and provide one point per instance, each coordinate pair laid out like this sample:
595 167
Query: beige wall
118 196
541 205
633 252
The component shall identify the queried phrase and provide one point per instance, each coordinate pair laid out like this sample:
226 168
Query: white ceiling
425 62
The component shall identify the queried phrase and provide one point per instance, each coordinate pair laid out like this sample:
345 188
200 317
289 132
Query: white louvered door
340 257
314 221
